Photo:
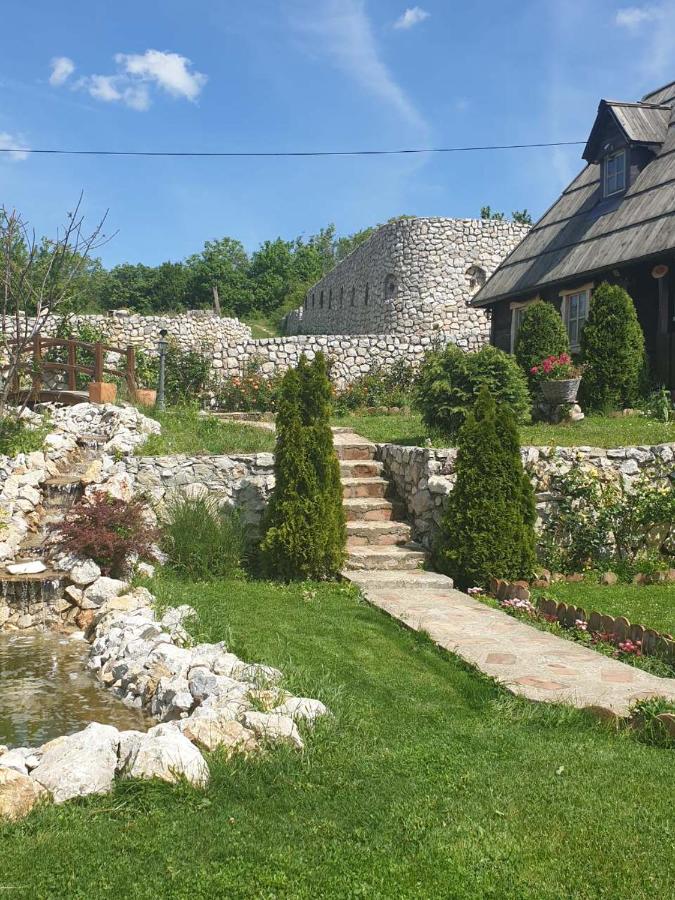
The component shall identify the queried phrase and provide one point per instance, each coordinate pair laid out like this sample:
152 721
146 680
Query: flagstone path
528 662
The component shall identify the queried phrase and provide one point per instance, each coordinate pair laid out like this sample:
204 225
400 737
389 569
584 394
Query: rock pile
203 697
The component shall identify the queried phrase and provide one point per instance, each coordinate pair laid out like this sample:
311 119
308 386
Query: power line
279 154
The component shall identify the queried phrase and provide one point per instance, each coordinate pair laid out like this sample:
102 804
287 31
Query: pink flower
534 370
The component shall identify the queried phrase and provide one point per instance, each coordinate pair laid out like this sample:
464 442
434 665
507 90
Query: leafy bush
252 392
613 349
604 524
186 374
108 531
202 540
488 528
391 386
542 334
659 405
17 436
450 380
304 525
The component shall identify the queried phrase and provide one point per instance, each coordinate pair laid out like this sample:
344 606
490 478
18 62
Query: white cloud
341 31
62 68
19 146
633 16
411 17
135 76
656 62
169 71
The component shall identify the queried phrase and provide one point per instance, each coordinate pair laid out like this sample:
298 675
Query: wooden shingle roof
583 233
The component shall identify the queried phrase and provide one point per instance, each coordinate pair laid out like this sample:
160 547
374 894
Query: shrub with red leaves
107 530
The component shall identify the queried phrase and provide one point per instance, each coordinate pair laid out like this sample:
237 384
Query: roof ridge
639 104
659 89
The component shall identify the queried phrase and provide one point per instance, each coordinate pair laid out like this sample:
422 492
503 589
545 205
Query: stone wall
423 478
243 482
412 276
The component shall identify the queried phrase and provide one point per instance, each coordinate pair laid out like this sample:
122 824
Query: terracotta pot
557 392
145 397
102 392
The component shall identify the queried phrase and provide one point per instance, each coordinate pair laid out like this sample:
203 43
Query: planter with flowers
559 379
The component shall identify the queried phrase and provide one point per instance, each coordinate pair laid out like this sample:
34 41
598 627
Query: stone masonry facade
412 276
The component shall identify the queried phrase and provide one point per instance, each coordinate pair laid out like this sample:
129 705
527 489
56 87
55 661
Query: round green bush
450 379
613 350
542 333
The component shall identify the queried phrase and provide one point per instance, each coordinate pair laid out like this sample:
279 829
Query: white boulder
79 764
167 755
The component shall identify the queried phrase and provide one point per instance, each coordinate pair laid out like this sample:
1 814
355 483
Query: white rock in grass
79 764
18 794
211 730
168 756
273 727
84 573
14 759
301 708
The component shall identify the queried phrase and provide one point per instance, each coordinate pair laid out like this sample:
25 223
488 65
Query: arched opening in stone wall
365 299
313 299
330 298
352 299
342 296
321 300
476 277
389 287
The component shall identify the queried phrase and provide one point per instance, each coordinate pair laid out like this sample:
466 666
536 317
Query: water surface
46 690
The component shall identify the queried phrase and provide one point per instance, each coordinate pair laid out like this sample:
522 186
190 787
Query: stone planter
102 392
145 397
557 392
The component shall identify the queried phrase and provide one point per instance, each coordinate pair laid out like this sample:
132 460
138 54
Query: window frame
565 305
516 307
606 175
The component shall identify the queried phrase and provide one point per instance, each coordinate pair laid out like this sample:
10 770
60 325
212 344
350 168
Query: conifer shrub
613 350
305 531
488 528
542 334
450 379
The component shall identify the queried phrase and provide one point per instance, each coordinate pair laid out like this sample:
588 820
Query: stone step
410 557
368 509
353 488
360 468
377 534
419 580
350 446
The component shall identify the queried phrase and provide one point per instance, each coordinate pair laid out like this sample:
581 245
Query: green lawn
593 431
429 782
650 605
185 431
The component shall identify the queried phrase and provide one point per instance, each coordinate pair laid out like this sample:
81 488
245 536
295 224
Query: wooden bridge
39 364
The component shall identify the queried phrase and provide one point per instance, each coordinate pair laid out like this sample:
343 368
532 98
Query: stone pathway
528 662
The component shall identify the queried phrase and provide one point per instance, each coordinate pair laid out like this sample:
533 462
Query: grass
650 605
593 431
16 437
428 782
262 327
185 431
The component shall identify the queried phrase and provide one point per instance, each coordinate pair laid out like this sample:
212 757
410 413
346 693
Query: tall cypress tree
488 528
304 527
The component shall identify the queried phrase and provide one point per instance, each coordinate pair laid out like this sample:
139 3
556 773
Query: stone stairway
377 538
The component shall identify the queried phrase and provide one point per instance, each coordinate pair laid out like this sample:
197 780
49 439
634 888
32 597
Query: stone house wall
423 478
412 276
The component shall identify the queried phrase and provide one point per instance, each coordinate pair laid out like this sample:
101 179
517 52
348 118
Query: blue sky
307 74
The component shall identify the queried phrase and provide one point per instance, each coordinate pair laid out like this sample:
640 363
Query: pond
46 690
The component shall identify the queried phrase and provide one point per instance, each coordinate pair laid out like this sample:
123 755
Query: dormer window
615 173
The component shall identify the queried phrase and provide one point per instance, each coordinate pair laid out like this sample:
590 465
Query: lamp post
162 345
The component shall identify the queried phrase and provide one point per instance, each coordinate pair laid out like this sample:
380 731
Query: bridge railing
38 365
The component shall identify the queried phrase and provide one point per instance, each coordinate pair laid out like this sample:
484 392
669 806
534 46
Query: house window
575 312
615 173
517 313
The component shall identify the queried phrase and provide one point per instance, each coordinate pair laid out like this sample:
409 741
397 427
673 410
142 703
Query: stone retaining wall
243 482
424 477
